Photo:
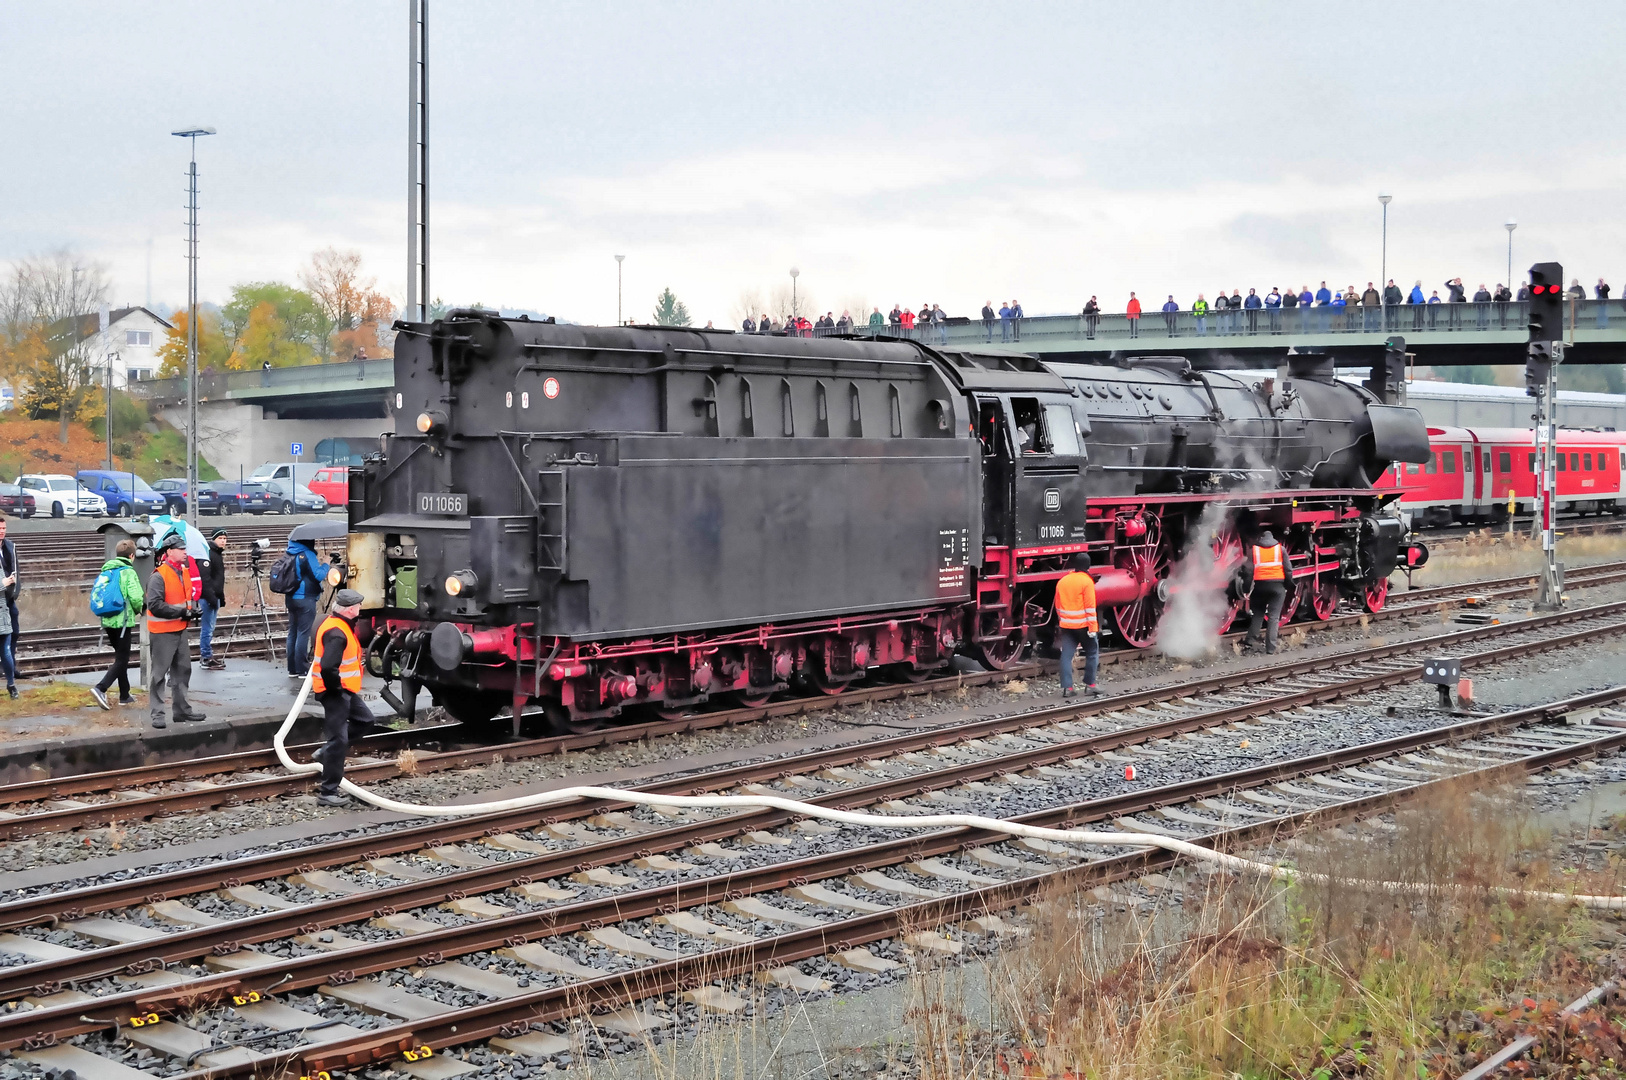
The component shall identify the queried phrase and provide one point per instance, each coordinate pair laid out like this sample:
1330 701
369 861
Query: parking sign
298 448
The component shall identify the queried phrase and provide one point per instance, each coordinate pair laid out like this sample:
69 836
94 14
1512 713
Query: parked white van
300 472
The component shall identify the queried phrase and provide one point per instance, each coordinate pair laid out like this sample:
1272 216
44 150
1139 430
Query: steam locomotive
588 518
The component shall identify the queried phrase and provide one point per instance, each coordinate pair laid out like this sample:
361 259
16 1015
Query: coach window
1432 466
1560 462
1575 463
1449 461
1586 462
1487 461
1532 463
1505 462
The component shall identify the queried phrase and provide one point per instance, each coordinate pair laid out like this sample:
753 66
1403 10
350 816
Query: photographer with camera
169 608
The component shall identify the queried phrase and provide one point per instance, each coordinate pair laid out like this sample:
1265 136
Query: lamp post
1383 275
794 274
192 134
618 260
1510 226
417 297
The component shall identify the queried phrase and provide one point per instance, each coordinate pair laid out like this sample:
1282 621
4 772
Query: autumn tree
298 324
355 315
48 307
214 353
670 311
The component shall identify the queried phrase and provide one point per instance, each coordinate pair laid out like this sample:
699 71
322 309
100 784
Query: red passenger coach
1472 472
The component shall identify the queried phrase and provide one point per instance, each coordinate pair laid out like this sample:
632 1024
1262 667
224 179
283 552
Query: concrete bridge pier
235 435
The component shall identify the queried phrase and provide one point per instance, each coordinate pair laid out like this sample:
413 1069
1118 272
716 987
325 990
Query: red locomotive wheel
1323 597
908 673
1138 620
1290 607
1228 555
1377 594
1004 653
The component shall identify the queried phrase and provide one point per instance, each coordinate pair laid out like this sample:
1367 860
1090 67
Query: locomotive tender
587 517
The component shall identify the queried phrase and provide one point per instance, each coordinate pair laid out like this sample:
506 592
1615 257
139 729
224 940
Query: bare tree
354 312
747 304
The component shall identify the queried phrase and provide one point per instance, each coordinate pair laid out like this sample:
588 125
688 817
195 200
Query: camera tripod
256 573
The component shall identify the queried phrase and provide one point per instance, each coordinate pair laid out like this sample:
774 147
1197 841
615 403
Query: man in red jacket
1134 316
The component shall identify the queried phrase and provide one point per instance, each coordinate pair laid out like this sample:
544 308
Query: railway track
75 558
536 922
63 650
226 780
230 779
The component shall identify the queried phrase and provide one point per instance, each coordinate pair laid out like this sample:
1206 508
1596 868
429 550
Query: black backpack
285 573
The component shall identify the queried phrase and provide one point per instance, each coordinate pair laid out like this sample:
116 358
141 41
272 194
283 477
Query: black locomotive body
592 517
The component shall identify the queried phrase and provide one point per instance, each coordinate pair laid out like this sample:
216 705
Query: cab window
1062 430
1030 436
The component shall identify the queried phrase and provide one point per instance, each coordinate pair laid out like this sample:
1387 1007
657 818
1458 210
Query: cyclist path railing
1489 322
277 382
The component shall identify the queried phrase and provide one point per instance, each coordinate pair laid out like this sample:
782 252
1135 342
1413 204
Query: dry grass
1489 553
52 697
1253 979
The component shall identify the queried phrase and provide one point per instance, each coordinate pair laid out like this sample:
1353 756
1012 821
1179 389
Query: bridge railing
1254 323
307 378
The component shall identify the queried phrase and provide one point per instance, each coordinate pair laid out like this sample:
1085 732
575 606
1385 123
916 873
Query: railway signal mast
1545 353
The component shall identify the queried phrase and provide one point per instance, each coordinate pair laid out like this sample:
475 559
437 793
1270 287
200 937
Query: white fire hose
882 821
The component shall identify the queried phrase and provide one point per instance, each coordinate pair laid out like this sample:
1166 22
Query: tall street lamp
192 134
1510 226
618 259
794 274
1383 276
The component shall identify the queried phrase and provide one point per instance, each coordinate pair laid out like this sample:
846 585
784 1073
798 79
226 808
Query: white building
130 343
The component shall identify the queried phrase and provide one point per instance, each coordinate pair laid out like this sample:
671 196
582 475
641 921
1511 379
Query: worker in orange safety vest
1269 562
1077 625
336 681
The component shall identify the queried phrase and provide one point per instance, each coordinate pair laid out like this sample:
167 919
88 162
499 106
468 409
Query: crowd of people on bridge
1330 310
1304 310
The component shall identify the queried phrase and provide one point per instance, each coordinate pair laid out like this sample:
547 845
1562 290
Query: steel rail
47 1026
188 944
233 794
89 783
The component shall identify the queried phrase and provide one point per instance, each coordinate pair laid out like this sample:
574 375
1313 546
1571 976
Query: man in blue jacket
1323 300
1170 310
302 606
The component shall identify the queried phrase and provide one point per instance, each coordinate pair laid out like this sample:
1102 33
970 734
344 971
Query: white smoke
1190 626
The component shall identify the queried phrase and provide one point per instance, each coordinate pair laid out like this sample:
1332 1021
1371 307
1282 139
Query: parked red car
15 501
332 482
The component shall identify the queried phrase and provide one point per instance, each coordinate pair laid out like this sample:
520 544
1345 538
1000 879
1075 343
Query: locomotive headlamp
432 423
461 582
335 575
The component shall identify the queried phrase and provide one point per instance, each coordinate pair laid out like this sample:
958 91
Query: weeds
1255 978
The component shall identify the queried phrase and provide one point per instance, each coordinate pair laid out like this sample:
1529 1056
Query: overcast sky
942 152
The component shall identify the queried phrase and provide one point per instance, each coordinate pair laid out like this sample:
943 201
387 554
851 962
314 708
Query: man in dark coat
214 598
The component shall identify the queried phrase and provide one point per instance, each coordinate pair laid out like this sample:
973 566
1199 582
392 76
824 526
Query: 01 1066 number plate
447 503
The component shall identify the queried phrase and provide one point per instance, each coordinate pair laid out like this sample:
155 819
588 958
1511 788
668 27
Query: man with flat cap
1269 561
336 681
